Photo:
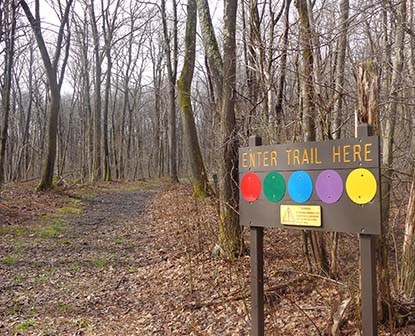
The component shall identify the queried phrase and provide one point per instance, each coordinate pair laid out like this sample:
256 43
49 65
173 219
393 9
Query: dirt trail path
76 273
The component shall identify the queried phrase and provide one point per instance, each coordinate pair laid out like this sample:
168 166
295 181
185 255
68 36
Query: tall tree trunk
125 106
408 251
318 245
106 173
337 112
411 65
171 62
88 114
339 71
54 84
253 76
283 66
108 28
229 229
386 306
156 59
97 165
211 49
9 27
197 167
223 77
23 161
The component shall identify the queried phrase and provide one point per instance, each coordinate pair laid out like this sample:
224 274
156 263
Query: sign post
367 246
257 268
331 186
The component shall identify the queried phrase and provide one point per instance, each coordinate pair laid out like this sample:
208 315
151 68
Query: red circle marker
250 187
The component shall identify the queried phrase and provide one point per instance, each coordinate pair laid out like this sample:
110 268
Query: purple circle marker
329 186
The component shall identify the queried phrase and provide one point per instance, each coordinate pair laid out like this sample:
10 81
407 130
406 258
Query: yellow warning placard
301 215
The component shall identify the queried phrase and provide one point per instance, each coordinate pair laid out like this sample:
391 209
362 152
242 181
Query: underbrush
297 302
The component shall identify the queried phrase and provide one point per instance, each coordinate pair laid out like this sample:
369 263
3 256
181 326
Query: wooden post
367 244
257 269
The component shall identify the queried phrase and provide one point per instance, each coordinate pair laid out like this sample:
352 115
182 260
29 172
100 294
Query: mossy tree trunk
223 77
197 167
229 230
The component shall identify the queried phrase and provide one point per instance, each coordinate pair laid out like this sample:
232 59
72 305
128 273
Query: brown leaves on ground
19 203
211 296
138 261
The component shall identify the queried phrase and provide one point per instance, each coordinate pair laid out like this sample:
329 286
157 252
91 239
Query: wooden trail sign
327 186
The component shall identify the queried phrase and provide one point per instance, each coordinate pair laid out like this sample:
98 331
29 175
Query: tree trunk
108 28
283 66
88 114
197 167
211 49
125 106
97 165
9 21
339 71
223 77
46 181
229 229
385 304
337 111
408 250
253 67
171 62
318 245
23 160
106 173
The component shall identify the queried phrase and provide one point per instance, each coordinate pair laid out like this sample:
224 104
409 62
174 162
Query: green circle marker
274 187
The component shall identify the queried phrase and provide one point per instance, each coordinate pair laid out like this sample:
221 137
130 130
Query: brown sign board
330 185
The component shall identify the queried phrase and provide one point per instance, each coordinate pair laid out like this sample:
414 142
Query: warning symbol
288 216
301 215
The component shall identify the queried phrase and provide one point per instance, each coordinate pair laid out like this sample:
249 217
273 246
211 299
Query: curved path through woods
77 273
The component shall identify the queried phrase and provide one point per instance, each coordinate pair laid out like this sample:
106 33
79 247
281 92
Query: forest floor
136 259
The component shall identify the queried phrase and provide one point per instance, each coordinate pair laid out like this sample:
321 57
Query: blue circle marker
300 186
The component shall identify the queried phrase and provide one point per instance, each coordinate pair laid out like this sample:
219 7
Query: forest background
117 89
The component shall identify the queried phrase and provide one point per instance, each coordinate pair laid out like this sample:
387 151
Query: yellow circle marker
361 186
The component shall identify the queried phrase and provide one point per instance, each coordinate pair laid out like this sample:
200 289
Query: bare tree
319 250
386 308
97 166
108 28
171 50
54 78
197 167
229 229
7 33
224 76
